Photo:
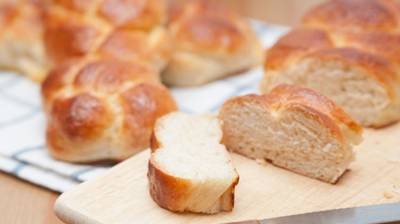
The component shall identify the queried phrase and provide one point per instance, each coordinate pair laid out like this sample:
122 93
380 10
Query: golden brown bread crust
104 96
77 5
174 193
170 192
359 35
154 143
379 43
21 47
123 44
66 39
55 80
368 25
81 117
303 43
228 198
142 105
209 42
99 75
286 95
166 190
377 67
310 43
354 15
206 27
296 44
102 109
127 30
8 12
137 46
109 75
134 14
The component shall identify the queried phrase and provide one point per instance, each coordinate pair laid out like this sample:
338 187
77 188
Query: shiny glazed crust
102 109
170 192
210 42
104 95
285 96
128 30
373 58
295 44
311 43
354 16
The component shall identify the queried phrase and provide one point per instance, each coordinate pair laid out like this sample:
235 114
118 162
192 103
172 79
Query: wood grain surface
21 202
264 191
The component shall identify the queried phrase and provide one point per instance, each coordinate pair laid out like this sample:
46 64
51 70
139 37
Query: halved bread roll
189 170
294 128
364 84
348 51
354 16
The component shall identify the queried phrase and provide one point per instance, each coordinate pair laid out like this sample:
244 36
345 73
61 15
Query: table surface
22 202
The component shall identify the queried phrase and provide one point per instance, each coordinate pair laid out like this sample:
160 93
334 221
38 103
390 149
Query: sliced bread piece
189 170
294 128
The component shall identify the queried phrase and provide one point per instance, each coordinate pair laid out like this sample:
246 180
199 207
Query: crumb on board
388 194
261 162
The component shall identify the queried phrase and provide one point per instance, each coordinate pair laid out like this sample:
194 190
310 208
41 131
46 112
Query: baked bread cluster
294 128
21 46
189 169
349 51
104 99
209 42
104 95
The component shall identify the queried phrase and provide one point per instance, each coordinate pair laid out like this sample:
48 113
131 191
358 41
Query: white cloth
22 124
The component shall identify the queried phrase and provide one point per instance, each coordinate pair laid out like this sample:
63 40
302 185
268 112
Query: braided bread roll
130 30
209 42
349 50
102 109
104 96
21 47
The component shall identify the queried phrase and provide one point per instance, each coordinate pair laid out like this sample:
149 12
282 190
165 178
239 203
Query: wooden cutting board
121 195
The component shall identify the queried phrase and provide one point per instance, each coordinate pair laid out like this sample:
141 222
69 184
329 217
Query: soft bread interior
364 98
187 143
190 150
290 139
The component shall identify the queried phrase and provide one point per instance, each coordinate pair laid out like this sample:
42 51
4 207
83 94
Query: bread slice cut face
189 169
293 128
